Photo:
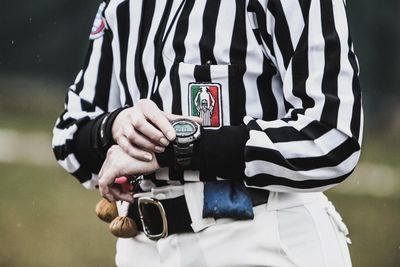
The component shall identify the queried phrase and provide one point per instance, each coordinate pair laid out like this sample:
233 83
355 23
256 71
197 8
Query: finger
118 195
107 161
105 165
148 145
148 130
104 191
139 140
124 183
133 151
172 117
121 180
102 168
109 197
107 178
196 119
158 118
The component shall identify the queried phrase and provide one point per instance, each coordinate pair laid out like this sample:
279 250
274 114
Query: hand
144 129
118 163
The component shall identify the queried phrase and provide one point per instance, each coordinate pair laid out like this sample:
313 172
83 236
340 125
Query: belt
160 218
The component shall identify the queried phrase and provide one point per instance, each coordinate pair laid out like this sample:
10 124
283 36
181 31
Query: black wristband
84 145
104 132
87 144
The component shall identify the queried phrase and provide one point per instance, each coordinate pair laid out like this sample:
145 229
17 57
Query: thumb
172 117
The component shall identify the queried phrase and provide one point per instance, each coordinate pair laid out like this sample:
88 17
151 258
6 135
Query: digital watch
187 133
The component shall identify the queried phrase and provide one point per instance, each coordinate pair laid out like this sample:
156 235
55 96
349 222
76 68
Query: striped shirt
286 69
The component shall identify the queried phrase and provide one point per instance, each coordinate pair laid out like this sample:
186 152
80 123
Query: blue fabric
227 199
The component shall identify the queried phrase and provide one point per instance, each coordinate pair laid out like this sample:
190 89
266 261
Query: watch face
184 128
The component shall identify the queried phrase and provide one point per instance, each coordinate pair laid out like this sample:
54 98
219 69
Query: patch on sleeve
99 24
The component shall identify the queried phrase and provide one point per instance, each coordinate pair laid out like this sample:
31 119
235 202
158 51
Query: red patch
99 24
99 29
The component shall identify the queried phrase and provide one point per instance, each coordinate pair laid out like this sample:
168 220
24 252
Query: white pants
290 230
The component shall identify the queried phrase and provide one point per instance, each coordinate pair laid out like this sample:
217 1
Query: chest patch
205 102
99 24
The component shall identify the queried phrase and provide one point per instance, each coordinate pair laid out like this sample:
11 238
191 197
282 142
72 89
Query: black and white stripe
287 70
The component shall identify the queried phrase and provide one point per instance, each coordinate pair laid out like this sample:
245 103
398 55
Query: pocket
342 238
312 235
205 91
337 221
298 236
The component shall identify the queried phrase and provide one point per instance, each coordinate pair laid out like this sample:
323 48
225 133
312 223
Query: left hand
119 163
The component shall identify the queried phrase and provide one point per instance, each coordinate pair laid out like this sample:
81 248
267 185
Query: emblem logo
99 24
205 102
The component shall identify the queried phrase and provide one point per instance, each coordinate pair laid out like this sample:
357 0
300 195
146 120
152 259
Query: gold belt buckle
152 201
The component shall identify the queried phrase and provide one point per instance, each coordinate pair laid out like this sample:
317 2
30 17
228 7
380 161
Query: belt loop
122 207
273 201
194 196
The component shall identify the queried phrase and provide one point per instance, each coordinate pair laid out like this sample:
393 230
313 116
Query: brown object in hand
123 227
106 210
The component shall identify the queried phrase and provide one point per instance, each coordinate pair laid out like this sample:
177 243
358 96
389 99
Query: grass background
47 218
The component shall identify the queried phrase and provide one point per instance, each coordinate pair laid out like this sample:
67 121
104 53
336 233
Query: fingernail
170 135
147 157
121 180
164 141
159 149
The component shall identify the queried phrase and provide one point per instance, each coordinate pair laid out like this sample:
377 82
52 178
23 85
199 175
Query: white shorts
290 230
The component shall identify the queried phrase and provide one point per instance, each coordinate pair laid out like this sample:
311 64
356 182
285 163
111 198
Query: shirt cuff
88 147
218 153
222 152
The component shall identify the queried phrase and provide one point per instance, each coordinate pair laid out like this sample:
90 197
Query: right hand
118 163
144 129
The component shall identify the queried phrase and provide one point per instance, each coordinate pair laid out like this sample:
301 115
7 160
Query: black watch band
183 155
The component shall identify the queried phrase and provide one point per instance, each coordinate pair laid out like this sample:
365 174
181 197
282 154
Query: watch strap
183 155
166 158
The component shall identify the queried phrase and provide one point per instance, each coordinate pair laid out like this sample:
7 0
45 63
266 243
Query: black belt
170 216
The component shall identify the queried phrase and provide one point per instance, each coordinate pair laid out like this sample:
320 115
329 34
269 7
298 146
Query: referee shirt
284 70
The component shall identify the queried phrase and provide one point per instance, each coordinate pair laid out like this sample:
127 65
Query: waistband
189 201
158 218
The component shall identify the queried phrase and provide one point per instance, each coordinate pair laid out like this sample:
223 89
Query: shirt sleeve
316 145
94 93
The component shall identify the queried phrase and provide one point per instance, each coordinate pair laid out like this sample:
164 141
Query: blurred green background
47 218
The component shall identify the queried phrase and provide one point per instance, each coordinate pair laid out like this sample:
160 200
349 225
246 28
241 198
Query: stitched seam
337 232
282 247
318 233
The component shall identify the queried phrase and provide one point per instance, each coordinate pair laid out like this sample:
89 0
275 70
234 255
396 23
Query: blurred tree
376 34
45 37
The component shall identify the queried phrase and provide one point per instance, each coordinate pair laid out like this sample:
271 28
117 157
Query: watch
187 133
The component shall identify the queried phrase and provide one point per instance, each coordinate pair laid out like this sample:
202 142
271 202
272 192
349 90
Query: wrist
106 128
182 153
188 133
117 122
